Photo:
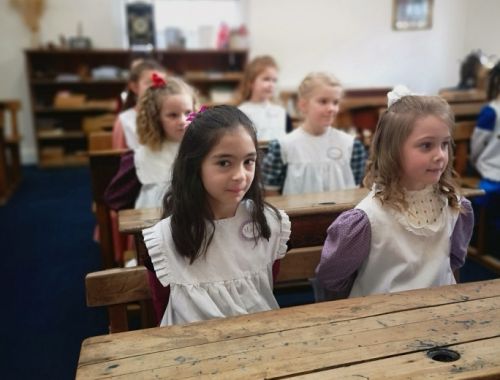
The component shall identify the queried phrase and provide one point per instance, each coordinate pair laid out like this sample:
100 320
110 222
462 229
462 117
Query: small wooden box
68 100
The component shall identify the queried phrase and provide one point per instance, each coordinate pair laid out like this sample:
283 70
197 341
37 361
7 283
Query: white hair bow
397 93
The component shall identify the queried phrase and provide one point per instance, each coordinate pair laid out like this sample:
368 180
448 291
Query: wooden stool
10 161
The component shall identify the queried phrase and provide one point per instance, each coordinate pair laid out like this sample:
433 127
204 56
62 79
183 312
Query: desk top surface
467 109
334 202
367 337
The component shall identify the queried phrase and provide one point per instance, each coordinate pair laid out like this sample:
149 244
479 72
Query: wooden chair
299 264
100 144
10 161
116 289
119 287
103 166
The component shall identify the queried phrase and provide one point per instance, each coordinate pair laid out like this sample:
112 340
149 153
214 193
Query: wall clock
140 24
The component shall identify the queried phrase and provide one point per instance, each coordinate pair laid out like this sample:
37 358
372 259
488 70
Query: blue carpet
47 248
46 239
472 271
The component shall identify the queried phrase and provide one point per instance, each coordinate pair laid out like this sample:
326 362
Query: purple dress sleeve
461 235
346 247
125 186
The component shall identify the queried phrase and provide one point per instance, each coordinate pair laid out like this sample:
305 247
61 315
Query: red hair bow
158 81
192 115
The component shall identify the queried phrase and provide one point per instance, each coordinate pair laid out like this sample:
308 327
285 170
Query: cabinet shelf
214 77
58 134
85 82
54 110
59 131
70 160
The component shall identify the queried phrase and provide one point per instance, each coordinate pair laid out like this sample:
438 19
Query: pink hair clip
158 81
192 115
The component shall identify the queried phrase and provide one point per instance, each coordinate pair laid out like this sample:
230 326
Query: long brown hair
252 71
394 127
149 126
186 200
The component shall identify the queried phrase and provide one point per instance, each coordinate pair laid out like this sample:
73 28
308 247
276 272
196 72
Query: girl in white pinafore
219 241
125 128
413 229
315 157
161 124
255 99
144 173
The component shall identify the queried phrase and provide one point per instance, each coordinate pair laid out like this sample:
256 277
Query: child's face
424 154
145 81
174 112
264 85
228 170
320 108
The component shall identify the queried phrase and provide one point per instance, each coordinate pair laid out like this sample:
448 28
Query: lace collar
424 215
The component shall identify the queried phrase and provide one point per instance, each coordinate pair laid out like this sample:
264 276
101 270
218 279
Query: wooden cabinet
54 74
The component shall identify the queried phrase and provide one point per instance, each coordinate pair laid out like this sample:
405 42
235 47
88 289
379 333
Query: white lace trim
424 215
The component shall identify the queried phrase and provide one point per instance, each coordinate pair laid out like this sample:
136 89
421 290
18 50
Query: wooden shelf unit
59 135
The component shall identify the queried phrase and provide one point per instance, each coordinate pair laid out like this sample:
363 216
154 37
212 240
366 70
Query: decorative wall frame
412 14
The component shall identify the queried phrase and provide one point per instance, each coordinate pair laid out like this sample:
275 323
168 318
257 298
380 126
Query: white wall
354 40
483 27
101 21
14 37
351 38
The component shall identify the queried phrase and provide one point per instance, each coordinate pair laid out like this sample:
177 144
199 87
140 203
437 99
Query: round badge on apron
247 230
334 153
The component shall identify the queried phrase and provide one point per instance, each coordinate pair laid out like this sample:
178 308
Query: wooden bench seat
119 287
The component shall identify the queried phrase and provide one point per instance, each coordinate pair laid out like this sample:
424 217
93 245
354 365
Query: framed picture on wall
411 14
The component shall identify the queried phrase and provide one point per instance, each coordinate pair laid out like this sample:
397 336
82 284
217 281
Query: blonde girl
125 130
315 157
219 240
255 99
144 173
413 228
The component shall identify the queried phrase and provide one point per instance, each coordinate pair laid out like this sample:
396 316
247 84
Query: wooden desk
132 221
373 337
310 214
466 111
461 96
